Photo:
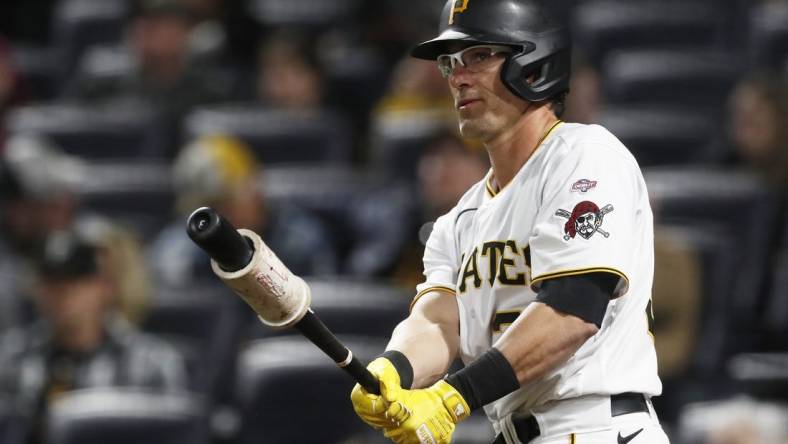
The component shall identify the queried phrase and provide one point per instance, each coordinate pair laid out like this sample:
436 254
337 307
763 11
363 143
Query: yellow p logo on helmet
459 7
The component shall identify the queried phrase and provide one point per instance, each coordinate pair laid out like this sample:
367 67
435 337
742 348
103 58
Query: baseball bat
232 251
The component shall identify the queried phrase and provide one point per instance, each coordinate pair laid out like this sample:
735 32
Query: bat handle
219 238
313 328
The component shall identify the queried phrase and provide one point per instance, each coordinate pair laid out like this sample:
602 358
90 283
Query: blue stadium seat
37 66
79 24
138 195
203 322
127 416
604 25
352 307
114 130
12 425
658 135
278 136
697 79
326 190
272 13
283 378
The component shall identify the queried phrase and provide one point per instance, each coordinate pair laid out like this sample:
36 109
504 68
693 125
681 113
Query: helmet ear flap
552 76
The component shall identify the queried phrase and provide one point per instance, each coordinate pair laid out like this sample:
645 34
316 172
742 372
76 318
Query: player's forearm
541 339
429 337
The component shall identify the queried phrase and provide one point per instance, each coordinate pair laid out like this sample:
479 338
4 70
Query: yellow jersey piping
429 289
578 271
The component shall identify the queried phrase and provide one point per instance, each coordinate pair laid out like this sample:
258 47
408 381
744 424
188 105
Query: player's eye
476 55
581 219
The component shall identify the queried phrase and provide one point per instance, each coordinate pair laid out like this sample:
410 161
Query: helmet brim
431 49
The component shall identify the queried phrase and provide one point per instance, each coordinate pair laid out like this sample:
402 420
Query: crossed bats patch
585 219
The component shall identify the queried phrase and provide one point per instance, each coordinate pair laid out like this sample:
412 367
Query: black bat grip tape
313 328
219 238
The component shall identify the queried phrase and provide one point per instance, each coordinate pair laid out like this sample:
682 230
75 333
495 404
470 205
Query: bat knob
219 238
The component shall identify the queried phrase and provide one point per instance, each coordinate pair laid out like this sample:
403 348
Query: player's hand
370 407
427 415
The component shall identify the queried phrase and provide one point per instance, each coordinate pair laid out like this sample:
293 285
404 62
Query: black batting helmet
541 45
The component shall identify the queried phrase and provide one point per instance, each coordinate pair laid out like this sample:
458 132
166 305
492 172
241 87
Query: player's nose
460 77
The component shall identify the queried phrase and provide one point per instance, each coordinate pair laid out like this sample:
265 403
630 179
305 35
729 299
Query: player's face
485 107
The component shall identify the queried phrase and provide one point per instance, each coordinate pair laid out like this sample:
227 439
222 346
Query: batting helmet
541 45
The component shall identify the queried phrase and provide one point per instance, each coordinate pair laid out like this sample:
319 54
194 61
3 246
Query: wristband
488 378
401 365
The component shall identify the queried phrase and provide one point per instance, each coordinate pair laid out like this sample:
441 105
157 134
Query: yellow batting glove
372 408
426 416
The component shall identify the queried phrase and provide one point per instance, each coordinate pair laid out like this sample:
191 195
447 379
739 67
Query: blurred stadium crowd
306 121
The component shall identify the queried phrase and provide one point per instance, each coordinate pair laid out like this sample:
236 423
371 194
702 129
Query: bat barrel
219 238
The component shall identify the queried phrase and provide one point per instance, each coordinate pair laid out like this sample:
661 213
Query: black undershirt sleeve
585 296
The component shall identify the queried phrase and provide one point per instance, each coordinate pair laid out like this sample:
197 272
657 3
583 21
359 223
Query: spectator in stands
416 86
221 172
127 271
11 88
398 225
585 100
36 198
163 73
758 113
447 168
416 104
288 72
79 342
677 305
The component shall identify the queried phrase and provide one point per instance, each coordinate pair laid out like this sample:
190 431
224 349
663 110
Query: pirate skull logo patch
585 219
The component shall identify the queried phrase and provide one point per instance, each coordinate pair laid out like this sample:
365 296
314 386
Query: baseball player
540 278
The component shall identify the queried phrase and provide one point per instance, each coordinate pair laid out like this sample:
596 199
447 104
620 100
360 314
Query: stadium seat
289 392
700 80
37 66
326 190
275 135
12 426
104 63
738 210
137 195
602 25
769 34
658 135
79 24
352 307
357 77
127 416
399 138
273 13
114 130
762 375
775 313
203 322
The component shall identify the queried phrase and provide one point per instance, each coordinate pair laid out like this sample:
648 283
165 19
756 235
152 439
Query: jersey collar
490 184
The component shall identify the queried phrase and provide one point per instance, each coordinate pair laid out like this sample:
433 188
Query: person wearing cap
79 341
37 196
221 172
160 71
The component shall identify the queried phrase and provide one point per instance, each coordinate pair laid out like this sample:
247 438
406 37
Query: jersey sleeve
587 221
441 261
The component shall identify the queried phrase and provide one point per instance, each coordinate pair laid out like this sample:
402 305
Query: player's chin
473 129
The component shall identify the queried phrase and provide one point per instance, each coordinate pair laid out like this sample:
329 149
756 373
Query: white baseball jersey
578 205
